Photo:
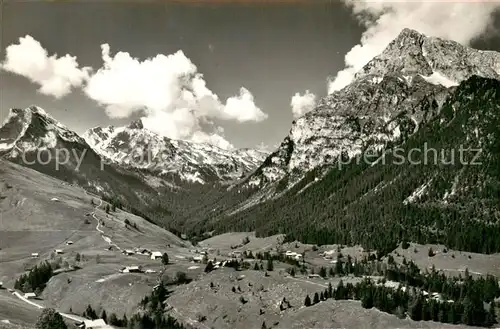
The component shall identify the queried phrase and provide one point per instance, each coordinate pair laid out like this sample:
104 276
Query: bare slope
39 214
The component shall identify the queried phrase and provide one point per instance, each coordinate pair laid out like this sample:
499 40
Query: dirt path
67 316
98 229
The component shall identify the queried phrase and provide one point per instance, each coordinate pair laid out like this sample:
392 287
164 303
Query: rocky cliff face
134 146
387 102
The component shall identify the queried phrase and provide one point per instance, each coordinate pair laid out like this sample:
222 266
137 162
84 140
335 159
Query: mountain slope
136 147
386 101
427 198
34 139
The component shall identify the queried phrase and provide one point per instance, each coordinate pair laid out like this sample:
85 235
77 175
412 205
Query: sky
234 73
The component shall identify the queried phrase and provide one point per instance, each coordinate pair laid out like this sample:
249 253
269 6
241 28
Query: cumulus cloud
461 21
301 104
171 93
55 75
167 90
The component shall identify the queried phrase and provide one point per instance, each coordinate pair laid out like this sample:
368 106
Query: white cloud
55 75
301 104
461 21
242 108
167 89
170 91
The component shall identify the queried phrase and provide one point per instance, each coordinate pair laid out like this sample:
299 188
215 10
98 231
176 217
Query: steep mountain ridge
386 102
137 147
33 138
438 194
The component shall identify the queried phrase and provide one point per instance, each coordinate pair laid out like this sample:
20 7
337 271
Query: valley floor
39 214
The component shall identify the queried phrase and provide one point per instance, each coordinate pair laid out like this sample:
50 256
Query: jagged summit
136 124
32 128
413 53
133 145
388 100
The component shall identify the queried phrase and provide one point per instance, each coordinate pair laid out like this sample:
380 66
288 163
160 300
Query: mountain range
317 186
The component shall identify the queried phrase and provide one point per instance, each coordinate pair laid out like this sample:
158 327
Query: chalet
235 254
198 259
94 324
156 255
294 255
132 269
34 255
30 295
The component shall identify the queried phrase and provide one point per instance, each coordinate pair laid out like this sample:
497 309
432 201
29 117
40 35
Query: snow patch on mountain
137 147
387 101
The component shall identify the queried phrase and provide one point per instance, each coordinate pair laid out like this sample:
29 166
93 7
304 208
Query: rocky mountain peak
389 99
136 124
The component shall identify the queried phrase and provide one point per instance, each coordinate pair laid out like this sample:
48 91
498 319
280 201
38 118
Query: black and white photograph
249 164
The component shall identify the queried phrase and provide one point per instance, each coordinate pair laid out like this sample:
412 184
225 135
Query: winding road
98 229
106 238
67 316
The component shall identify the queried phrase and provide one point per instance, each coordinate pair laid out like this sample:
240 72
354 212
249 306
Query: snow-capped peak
33 128
135 146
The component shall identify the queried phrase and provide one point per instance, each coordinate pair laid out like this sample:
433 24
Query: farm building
58 251
156 255
34 255
29 295
198 259
94 324
132 269
129 252
294 255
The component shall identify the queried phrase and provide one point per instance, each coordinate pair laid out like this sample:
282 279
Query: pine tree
270 265
330 290
164 259
316 298
209 268
307 301
104 316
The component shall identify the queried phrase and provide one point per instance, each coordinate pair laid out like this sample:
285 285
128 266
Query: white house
132 269
156 255
30 295
95 324
198 259
34 255
294 255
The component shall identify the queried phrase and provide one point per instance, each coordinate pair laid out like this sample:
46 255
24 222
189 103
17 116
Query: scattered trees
50 319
